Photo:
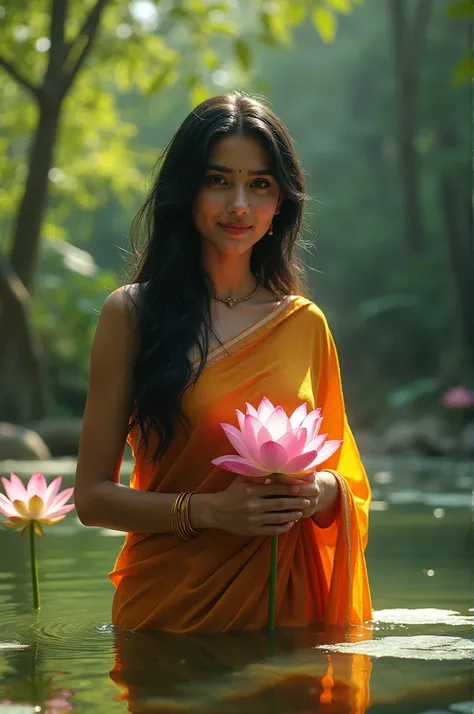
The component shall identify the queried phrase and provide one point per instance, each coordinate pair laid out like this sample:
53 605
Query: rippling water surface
414 659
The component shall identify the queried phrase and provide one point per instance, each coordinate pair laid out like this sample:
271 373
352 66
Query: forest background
377 96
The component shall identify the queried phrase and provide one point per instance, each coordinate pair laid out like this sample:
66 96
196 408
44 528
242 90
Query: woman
213 318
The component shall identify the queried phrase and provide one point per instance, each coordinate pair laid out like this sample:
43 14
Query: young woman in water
213 317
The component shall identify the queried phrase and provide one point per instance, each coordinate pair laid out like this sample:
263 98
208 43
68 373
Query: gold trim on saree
231 345
345 504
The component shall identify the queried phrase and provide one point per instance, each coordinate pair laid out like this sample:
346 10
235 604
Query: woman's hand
257 508
322 490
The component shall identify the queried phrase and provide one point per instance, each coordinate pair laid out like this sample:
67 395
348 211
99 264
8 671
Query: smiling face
239 196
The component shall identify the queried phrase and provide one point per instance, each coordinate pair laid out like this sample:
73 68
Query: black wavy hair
170 286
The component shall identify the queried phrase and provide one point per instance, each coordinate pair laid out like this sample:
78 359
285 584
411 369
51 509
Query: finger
275 530
279 518
269 505
274 489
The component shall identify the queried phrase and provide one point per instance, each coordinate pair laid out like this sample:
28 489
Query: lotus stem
273 582
34 567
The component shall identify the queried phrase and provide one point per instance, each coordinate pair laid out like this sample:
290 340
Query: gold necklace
231 301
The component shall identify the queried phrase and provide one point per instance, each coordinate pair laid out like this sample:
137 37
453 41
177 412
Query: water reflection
241 671
34 689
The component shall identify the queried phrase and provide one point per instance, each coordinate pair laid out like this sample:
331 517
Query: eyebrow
226 170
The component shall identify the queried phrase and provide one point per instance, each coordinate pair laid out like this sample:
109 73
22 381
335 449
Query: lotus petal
278 423
237 440
52 491
21 509
312 423
250 433
249 409
298 415
240 418
12 524
52 521
6 506
14 488
294 442
273 457
329 448
60 500
265 410
238 465
57 512
38 528
35 507
36 485
317 443
263 436
300 463
314 431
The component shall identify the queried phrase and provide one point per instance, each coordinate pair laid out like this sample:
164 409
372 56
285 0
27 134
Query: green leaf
325 23
463 72
242 52
199 94
342 6
297 12
460 10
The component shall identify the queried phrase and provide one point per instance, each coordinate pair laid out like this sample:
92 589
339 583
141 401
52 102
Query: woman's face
238 198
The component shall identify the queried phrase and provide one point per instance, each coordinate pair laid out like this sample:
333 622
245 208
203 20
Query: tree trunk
407 43
21 355
22 392
27 233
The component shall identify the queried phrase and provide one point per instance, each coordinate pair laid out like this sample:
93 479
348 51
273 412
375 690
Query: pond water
415 658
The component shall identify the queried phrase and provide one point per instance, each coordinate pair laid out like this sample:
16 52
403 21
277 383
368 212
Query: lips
235 229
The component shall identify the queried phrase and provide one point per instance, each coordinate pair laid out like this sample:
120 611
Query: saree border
231 345
345 504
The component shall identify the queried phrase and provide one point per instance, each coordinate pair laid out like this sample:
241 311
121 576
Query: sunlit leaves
464 71
460 10
325 22
342 6
243 54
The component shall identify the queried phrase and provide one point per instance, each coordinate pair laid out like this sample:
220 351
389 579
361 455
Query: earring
270 230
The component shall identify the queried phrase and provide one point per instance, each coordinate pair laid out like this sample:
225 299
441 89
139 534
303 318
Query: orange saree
219 581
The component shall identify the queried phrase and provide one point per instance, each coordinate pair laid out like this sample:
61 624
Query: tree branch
82 44
19 78
420 24
58 51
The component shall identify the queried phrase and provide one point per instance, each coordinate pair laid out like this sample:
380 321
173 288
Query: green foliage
463 71
70 293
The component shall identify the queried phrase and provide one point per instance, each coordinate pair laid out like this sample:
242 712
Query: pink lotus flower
458 398
271 442
36 505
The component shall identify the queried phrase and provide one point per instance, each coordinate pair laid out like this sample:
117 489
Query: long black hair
170 286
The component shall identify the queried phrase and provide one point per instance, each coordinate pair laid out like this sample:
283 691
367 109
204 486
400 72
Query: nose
238 202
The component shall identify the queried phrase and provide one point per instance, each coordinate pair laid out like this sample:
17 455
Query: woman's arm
100 499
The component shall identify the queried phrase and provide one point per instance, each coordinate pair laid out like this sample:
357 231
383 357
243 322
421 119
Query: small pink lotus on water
38 504
458 397
269 442
30 509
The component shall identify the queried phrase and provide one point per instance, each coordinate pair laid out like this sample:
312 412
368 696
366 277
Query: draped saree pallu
219 581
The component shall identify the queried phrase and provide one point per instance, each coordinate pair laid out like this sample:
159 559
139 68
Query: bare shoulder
118 321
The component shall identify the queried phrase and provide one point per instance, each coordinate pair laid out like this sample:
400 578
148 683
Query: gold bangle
180 520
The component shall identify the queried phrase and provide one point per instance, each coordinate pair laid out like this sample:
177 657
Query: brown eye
214 180
262 181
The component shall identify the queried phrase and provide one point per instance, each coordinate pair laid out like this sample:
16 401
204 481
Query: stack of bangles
180 520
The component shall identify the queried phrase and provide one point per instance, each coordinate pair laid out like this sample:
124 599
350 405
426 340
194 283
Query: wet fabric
219 581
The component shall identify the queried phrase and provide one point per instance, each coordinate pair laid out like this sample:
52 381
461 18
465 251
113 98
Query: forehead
239 153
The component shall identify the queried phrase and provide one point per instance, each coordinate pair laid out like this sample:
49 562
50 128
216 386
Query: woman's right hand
256 508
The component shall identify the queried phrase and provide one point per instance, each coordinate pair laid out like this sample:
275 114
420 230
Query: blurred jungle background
377 96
